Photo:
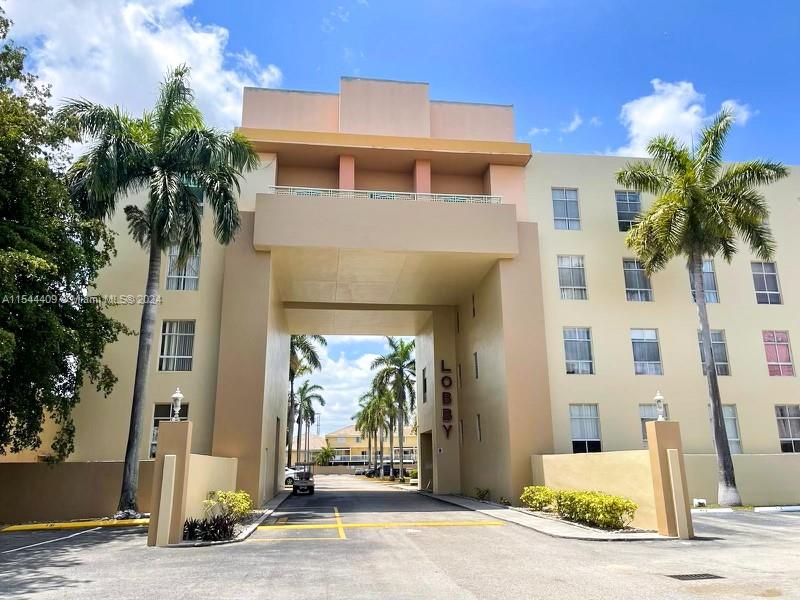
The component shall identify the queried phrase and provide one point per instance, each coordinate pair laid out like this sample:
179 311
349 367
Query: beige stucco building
351 448
379 211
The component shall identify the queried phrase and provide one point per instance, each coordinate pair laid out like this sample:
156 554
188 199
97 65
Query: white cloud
538 131
595 121
676 109
338 15
576 122
117 51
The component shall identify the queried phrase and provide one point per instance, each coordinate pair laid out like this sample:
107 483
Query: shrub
412 474
505 501
538 497
191 529
229 504
595 508
482 493
217 528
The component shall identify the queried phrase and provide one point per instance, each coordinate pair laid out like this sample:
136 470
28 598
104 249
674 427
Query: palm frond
138 224
174 96
643 177
749 174
708 158
668 154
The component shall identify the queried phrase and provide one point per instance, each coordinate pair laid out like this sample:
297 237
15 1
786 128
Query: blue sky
584 76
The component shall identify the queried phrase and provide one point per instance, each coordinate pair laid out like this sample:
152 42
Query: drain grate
694 576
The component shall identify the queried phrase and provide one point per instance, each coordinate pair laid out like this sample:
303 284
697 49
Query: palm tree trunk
299 428
391 447
727 494
381 452
401 402
290 420
130 472
369 450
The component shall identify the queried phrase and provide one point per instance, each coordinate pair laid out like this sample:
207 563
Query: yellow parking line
75 525
339 525
342 536
294 539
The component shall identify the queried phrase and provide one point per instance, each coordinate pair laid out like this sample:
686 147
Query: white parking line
66 537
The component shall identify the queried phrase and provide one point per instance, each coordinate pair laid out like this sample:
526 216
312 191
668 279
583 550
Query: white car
289 476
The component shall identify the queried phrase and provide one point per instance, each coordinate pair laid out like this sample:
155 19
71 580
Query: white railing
285 190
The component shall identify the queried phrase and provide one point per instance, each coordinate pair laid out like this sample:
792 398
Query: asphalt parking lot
364 539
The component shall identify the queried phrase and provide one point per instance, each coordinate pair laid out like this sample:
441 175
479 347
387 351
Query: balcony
282 190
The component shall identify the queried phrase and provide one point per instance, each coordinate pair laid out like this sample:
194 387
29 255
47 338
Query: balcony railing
284 190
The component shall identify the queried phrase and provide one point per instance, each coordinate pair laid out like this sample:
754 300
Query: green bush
595 508
213 529
412 474
505 501
538 497
482 493
235 505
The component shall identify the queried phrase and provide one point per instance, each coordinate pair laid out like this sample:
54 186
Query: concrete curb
271 506
76 525
540 527
758 509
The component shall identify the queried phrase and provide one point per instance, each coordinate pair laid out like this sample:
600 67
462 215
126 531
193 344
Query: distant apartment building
377 210
352 449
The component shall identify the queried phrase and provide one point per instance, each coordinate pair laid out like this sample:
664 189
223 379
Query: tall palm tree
702 208
397 373
373 417
303 358
364 423
169 152
307 394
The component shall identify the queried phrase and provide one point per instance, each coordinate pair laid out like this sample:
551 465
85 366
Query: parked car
304 483
386 470
289 475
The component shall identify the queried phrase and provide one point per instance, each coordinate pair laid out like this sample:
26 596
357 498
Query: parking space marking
66 537
75 525
342 536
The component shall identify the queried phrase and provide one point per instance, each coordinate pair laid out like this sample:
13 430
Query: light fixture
659 400
176 405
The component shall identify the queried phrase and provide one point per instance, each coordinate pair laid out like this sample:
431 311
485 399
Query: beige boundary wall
624 473
762 479
207 474
70 490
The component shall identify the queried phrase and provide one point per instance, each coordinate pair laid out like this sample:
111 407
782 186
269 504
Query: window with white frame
566 213
585 427
719 350
177 345
637 283
163 412
629 204
709 283
788 416
646 352
765 280
779 353
732 428
182 277
578 351
649 412
571 278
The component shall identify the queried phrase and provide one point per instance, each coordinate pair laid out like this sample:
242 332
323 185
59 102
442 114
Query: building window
475 358
185 277
478 426
719 350
709 283
571 278
629 205
585 425
163 412
637 283
788 416
779 353
732 428
765 280
646 353
424 385
566 213
578 350
649 412
177 344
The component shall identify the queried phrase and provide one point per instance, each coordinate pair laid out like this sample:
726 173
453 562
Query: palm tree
364 423
397 373
700 210
303 358
325 456
169 152
373 418
307 394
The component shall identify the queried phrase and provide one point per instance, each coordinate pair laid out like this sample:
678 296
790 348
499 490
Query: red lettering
447 414
447 398
447 381
444 370
447 429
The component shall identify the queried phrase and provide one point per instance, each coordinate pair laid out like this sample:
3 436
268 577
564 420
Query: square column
347 172
422 176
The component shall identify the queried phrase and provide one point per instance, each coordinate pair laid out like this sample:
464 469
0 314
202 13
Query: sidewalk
550 527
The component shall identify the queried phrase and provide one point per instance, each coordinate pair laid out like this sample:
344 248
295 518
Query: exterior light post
176 405
659 400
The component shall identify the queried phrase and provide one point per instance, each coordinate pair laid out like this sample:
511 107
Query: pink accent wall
422 176
387 181
281 109
461 121
508 182
347 172
443 183
308 177
384 108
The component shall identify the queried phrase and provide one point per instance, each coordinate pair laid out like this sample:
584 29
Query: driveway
364 539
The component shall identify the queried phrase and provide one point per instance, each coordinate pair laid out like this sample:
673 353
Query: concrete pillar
444 388
673 513
422 176
507 181
175 440
347 172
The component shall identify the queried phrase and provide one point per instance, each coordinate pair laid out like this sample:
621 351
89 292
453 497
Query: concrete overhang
355 319
384 152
